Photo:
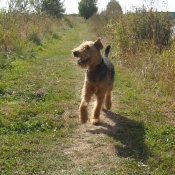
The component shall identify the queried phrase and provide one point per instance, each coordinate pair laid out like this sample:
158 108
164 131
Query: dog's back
102 70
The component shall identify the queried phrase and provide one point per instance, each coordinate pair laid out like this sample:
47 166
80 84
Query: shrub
143 41
145 27
21 32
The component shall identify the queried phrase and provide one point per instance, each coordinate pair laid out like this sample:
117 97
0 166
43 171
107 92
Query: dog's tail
107 50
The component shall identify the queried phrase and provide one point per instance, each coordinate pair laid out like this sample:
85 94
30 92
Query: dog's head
88 53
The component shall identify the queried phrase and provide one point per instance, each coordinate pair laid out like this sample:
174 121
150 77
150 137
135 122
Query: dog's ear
98 44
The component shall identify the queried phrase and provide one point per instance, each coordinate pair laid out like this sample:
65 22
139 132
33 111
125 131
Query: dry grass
20 33
144 42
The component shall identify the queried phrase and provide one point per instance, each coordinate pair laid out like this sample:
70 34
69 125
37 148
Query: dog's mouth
80 61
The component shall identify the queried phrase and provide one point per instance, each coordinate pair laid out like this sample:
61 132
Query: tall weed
142 40
21 32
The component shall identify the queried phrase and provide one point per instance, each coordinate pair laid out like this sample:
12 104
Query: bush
143 41
145 28
20 33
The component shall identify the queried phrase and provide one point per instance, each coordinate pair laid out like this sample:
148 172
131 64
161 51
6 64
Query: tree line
57 9
53 8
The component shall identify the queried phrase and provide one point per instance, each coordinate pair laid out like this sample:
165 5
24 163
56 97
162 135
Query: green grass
151 137
37 96
39 129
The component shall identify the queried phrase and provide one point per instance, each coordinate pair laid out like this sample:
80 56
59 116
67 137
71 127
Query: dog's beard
83 61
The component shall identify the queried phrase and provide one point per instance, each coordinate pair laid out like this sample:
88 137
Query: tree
53 7
87 8
114 9
19 5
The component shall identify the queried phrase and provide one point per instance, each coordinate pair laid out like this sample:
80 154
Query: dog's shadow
128 134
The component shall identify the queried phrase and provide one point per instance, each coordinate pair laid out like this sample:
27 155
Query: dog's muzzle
80 61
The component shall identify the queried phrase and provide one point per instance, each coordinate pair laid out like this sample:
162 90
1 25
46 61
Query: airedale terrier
99 78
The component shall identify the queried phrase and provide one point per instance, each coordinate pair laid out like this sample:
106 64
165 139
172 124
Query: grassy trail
40 131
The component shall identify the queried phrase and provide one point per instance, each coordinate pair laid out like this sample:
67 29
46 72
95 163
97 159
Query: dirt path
120 144
132 137
93 147
92 144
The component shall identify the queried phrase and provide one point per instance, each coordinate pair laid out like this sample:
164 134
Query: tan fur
102 89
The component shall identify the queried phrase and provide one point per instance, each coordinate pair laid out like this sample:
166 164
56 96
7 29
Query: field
39 126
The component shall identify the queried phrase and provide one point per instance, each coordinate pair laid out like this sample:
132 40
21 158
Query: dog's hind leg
108 102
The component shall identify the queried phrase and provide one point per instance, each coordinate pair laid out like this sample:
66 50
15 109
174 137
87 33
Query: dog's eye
87 47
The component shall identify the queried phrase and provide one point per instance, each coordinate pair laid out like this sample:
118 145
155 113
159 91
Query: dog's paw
83 119
108 105
95 121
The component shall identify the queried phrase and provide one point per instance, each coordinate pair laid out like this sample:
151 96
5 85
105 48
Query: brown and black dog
99 78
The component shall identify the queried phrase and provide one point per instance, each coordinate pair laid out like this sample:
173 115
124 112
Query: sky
72 5
160 5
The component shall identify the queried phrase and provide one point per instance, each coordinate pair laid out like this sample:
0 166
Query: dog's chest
97 75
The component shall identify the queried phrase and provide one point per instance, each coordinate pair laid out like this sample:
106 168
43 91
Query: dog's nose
75 53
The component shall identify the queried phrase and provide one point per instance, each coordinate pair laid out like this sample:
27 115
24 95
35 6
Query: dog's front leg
86 97
97 109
